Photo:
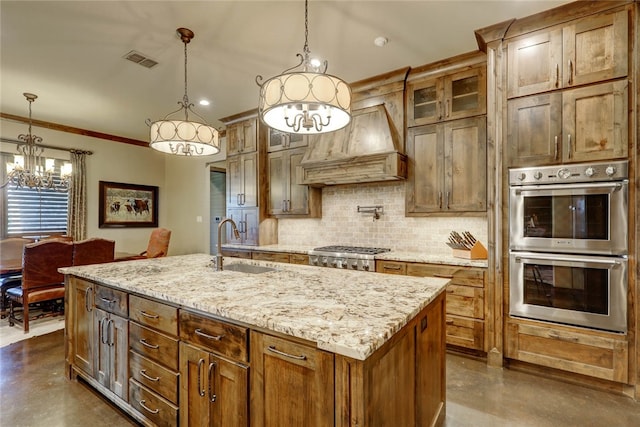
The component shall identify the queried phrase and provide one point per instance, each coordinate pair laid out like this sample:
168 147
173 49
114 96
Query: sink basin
247 268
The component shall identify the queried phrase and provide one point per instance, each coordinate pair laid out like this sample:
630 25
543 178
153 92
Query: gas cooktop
352 249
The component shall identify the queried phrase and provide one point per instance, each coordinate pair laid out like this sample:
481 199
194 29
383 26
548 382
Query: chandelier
304 99
184 137
28 169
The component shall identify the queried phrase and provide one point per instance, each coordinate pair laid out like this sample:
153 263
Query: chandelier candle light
184 137
304 99
28 170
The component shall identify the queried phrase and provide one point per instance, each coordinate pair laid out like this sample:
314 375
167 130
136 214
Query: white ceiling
70 53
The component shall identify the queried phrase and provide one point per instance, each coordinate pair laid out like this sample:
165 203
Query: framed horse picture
127 205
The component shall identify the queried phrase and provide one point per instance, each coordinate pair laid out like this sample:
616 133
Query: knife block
478 251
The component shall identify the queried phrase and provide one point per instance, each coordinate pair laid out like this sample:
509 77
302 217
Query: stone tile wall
341 224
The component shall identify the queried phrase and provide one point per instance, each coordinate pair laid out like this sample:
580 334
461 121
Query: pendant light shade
304 99
184 137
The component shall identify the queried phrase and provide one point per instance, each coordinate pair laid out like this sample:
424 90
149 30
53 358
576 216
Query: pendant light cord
185 99
306 28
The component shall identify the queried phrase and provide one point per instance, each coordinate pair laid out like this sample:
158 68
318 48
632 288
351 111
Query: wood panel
158 410
391 267
157 315
214 335
80 321
112 300
154 376
154 345
270 256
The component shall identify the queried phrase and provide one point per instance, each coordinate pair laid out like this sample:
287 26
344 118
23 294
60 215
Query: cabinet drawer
236 253
458 275
154 345
214 335
111 300
597 355
465 301
299 259
465 332
154 376
152 406
154 314
271 256
391 267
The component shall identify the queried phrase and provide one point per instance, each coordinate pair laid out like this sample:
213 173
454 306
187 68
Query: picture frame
127 205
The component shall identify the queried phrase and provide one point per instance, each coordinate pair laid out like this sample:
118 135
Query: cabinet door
298 200
534 64
112 346
82 293
534 133
236 216
235 184
425 150
424 102
250 227
291 384
249 170
465 159
595 49
102 351
595 122
228 392
279 140
277 186
249 140
465 94
194 398
234 144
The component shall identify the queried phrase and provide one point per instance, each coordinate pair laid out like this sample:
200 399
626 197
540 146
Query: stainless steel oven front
580 290
579 208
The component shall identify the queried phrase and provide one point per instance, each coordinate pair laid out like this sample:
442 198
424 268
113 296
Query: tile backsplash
341 224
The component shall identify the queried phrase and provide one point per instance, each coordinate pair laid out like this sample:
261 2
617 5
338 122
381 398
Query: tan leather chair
158 245
93 251
40 278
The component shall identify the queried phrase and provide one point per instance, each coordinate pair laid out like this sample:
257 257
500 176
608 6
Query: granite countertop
406 256
350 313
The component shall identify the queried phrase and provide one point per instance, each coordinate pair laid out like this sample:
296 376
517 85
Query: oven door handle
570 188
569 262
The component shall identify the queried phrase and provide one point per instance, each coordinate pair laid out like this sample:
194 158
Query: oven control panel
579 172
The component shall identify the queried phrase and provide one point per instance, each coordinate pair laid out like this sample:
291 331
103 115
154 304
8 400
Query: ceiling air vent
140 59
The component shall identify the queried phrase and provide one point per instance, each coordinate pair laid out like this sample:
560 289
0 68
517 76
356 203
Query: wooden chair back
40 263
11 250
93 251
158 243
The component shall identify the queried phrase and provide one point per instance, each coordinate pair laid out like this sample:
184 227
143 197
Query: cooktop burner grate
352 249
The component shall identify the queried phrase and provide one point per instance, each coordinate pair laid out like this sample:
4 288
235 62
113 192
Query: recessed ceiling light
381 41
204 102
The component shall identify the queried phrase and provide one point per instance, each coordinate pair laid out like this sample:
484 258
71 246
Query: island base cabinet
79 320
213 390
154 408
291 383
111 349
411 364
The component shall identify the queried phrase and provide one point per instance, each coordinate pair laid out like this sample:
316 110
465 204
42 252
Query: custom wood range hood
371 147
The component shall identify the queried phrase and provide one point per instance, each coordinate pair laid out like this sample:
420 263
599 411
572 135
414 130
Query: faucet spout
236 233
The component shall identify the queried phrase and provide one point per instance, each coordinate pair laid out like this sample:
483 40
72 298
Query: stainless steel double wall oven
568 241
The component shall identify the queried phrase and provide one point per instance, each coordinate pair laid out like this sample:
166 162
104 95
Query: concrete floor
34 392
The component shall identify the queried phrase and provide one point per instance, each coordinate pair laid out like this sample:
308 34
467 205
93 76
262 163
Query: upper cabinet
278 140
242 137
448 97
286 196
585 51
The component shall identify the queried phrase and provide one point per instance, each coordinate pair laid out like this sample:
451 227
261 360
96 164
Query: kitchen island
258 344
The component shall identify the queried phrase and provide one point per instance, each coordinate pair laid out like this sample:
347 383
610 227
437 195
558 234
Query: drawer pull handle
143 372
210 337
212 395
107 300
391 267
282 353
449 322
443 276
87 300
555 336
146 344
150 316
451 291
152 411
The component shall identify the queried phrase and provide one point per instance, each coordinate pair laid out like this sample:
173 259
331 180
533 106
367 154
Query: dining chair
93 251
10 267
41 281
158 245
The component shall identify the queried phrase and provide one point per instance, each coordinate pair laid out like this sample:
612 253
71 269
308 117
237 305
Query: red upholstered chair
93 251
158 245
40 278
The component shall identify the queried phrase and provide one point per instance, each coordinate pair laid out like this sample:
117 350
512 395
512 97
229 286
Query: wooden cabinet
242 180
585 51
214 372
447 168
291 383
271 256
111 346
466 306
453 96
278 140
576 125
80 319
242 137
246 220
153 360
596 354
286 196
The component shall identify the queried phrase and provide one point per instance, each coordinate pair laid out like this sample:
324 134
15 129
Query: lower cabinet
300 375
80 318
111 346
213 391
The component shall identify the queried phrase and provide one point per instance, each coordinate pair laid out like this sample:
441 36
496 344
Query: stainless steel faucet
236 233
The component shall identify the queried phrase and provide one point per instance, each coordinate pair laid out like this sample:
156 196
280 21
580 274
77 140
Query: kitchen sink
248 268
